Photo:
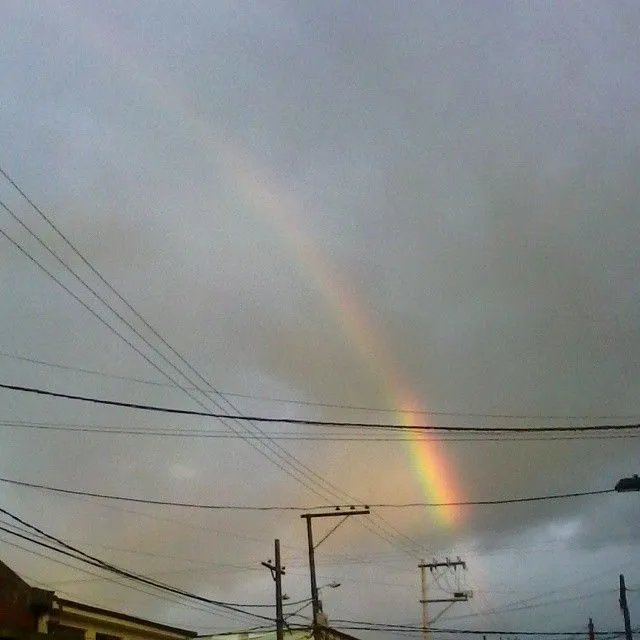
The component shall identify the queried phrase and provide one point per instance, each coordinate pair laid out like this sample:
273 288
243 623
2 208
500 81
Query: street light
628 484
307 601
331 585
321 617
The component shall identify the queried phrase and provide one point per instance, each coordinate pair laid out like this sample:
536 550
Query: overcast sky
427 205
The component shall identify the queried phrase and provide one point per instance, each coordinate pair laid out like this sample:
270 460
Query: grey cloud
468 177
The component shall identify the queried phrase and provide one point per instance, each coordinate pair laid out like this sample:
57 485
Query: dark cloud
331 202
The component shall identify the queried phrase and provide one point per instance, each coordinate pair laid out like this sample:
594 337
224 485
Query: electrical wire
42 544
332 405
165 597
374 626
120 317
237 507
280 452
309 421
188 523
131 576
550 603
69 550
176 432
289 463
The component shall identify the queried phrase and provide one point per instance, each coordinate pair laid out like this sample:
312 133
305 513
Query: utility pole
592 635
315 600
423 600
458 596
277 571
624 485
625 609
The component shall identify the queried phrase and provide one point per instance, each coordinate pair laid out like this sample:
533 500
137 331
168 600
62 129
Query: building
30 613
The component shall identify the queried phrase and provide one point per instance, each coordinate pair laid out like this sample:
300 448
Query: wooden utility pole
315 599
277 571
625 610
423 600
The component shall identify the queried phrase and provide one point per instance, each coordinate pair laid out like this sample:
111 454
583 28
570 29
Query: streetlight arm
628 484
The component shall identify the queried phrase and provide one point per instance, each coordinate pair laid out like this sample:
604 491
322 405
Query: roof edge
124 616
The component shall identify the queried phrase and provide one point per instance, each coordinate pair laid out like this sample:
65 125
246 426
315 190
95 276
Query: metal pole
625 609
315 602
278 577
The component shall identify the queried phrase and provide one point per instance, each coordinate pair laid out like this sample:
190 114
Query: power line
110 307
321 423
484 632
165 597
530 603
77 554
121 318
274 452
185 523
105 566
384 536
302 472
331 405
237 507
175 432
381 626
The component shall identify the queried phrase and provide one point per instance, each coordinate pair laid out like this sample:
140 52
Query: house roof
45 600
7 574
123 616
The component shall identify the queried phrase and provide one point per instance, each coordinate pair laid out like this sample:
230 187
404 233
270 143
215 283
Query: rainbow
283 212
263 195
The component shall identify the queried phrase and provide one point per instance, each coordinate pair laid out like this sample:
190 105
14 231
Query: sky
400 213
